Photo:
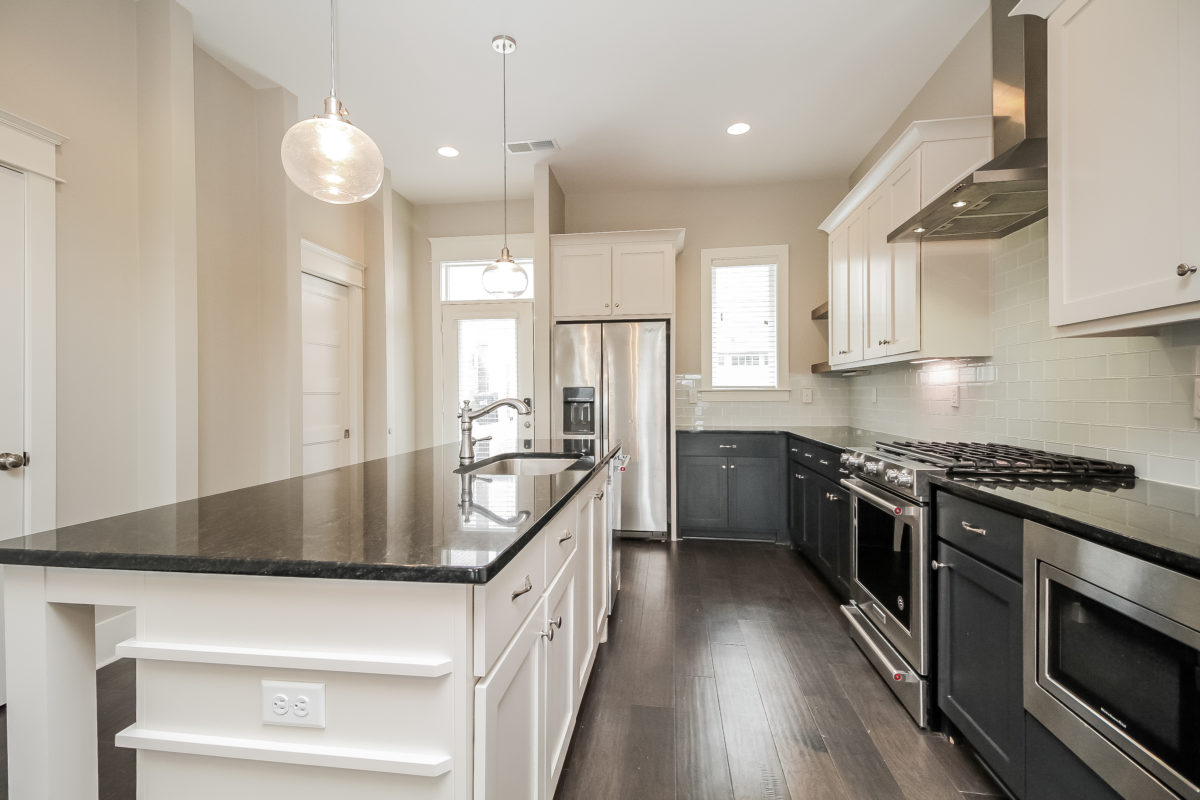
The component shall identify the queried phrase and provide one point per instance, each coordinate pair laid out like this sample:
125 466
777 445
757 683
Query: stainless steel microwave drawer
731 445
993 536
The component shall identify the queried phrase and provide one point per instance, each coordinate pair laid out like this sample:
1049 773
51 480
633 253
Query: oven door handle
876 500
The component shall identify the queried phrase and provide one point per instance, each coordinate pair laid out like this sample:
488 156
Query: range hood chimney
1008 192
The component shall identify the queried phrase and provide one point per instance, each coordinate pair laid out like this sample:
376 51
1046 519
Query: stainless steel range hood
1008 192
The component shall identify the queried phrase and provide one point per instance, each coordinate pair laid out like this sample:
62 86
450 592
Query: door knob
13 461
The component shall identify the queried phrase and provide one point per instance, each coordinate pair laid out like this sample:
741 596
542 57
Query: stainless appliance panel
577 363
909 687
1160 599
635 398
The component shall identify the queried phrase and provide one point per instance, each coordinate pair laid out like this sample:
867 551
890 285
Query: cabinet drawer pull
795 449
968 527
808 455
1183 270
823 461
566 537
599 495
727 446
733 466
526 589
799 477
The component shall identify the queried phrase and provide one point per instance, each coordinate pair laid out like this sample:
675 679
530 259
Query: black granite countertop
1156 521
838 437
396 518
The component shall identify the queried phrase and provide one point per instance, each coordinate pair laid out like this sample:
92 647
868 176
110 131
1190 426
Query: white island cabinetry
445 691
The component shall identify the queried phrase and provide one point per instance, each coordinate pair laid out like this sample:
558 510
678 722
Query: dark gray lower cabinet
703 492
754 499
1052 772
979 660
820 524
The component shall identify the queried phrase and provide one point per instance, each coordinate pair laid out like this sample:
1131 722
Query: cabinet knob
1183 270
936 565
606 305
618 305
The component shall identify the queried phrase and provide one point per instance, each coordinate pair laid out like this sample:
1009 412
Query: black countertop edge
299 568
1172 559
808 436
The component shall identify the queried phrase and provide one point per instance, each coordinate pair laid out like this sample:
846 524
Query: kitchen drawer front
822 460
562 538
992 536
503 602
732 445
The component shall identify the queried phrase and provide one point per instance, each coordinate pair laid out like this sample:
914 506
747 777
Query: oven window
885 557
1143 681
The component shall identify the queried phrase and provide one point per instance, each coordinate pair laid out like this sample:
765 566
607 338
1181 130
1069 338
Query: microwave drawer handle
969 527
874 499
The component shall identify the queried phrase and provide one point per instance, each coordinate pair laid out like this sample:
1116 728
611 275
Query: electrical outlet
1196 401
299 704
874 394
954 396
806 395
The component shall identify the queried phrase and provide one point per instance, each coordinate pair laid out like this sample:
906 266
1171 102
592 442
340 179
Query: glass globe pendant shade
331 159
505 276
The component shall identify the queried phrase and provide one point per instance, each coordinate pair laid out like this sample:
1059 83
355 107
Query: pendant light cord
332 50
504 134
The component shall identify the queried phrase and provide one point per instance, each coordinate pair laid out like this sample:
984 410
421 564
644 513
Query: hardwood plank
648 765
653 679
701 763
862 768
692 655
808 768
754 766
596 759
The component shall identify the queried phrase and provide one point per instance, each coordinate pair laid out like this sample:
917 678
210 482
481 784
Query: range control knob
891 475
856 461
904 478
845 458
873 467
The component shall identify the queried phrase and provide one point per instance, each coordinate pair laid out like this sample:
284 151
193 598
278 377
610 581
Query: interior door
325 353
487 354
12 367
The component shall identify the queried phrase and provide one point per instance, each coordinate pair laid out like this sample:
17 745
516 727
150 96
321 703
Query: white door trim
33 151
321 262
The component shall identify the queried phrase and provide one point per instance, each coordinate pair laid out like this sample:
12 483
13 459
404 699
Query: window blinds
744 326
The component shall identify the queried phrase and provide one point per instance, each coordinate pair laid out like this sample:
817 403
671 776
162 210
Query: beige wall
72 67
446 219
784 213
961 87
403 362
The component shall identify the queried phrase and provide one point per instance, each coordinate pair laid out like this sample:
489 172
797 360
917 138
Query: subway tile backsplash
1124 398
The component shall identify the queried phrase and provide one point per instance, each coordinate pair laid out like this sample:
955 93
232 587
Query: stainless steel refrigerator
611 383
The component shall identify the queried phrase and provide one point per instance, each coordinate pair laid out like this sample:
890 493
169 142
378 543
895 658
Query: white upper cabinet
883 304
620 274
1124 158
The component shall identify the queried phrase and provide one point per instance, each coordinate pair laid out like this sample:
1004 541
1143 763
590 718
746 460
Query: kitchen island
434 629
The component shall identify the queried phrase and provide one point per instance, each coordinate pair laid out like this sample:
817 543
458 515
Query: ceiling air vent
532 146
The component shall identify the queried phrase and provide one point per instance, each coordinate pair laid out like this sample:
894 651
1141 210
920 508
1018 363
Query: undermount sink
521 464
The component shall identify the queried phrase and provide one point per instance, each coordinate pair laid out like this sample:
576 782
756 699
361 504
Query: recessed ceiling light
737 128
918 230
959 203
448 152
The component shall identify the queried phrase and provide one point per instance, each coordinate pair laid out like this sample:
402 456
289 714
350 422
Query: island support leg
51 659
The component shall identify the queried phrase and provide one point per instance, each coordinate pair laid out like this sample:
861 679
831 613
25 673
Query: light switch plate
806 395
874 395
1196 401
954 396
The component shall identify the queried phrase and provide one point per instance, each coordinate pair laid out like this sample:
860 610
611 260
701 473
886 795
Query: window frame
756 255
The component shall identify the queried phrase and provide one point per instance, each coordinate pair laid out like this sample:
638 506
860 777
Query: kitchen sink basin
522 464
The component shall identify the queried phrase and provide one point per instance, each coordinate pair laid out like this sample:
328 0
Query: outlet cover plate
806 395
300 705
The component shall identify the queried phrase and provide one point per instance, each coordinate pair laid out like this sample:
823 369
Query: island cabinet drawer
991 535
731 445
562 537
506 600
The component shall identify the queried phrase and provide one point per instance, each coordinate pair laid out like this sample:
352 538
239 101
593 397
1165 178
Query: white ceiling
638 93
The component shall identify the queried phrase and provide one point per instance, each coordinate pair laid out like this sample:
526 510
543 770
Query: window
744 325
462 281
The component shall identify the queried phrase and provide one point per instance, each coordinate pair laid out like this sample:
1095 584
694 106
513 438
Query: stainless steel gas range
888 615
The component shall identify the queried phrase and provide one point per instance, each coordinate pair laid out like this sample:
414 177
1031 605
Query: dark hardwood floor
727 676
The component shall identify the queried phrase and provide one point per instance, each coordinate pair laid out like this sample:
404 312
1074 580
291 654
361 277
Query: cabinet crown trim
915 135
673 235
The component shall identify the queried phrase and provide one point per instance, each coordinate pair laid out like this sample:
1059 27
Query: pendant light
504 276
327 156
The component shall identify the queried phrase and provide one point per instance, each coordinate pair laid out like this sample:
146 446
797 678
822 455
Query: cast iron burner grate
970 459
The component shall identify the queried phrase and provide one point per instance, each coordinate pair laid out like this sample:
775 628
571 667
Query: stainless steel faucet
467 417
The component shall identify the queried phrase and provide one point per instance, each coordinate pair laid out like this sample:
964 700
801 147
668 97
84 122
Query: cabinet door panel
979 660
1115 234
703 492
599 563
643 278
508 718
560 673
581 280
839 297
877 283
856 260
583 639
755 500
905 329
813 493
797 483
